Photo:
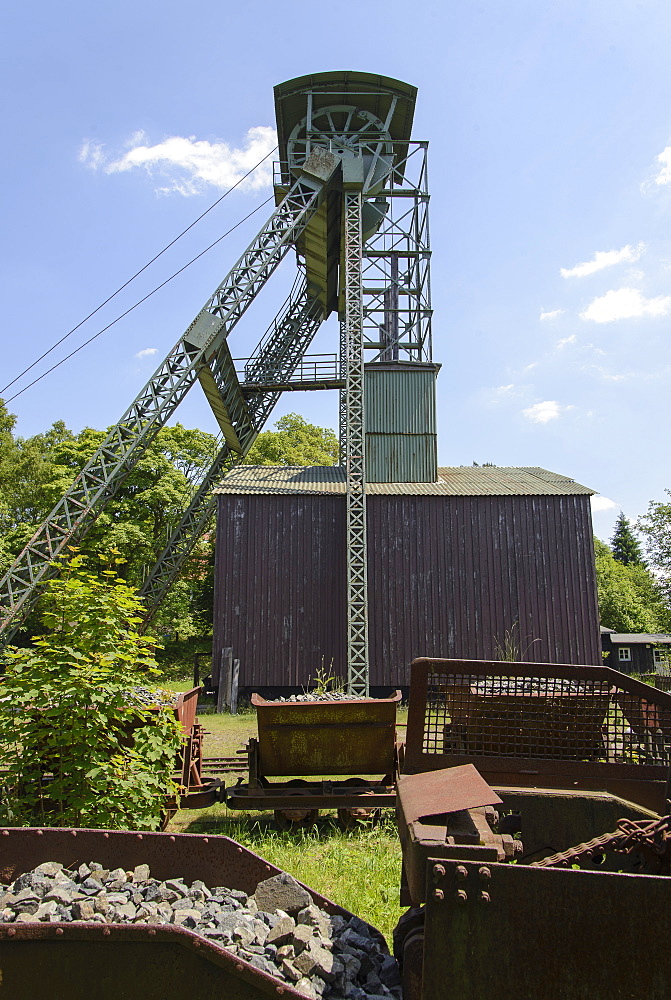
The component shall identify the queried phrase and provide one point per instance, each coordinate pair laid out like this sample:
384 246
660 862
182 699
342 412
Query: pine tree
626 547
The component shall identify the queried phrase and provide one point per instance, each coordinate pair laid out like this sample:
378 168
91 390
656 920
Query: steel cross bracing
190 359
396 258
357 585
280 351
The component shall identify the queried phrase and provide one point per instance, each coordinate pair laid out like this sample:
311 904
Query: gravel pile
539 686
150 697
279 930
316 696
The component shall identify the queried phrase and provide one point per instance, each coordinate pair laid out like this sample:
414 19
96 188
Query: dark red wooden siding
448 576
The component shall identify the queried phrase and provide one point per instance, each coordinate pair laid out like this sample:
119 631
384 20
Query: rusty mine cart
321 740
532 814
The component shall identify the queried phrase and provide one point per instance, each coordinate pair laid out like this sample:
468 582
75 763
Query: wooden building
454 567
636 653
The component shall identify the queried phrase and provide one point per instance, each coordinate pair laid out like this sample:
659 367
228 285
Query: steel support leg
357 598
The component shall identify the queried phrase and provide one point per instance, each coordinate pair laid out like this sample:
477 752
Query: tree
295 442
77 746
625 546
630 599
36 471
656 526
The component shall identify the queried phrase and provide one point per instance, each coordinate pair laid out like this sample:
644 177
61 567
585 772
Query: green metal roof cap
373 93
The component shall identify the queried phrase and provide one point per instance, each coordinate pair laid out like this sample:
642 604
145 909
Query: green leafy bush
76 749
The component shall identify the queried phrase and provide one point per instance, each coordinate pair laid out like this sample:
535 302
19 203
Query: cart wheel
296 818
355 816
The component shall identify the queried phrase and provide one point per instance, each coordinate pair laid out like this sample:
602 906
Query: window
660 655
624 653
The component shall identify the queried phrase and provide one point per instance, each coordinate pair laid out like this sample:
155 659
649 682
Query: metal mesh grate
556 718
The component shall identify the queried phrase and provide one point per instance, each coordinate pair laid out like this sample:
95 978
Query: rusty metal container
542 725
326 737
542 934
200 790
79 961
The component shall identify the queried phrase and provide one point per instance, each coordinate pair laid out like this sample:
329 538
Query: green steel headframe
351 190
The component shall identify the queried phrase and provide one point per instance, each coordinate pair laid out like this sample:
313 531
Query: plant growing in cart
77 746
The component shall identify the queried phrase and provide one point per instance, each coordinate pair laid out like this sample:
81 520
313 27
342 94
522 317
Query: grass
360 869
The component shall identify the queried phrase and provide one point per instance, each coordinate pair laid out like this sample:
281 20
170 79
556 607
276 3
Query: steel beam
357 585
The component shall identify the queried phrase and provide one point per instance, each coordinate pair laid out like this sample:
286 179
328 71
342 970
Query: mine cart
542 725
300 740
81 960
199 790
538 886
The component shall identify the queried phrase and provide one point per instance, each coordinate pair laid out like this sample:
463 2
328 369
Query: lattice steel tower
352 199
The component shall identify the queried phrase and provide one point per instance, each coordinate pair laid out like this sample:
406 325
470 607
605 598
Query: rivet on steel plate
106 836
11 932
139 836
438 895
152 932
107 932
172 838
40 833
239 850
438 871
239 966
462 872
205 840
280 989
59 931
73 833
5 833
484 872
462 896
485 897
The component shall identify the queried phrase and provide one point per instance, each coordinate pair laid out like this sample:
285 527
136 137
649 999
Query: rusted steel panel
544 934
447 576
451 789
322 737
536 724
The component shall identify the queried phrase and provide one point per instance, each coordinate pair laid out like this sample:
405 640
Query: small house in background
636 652
462 565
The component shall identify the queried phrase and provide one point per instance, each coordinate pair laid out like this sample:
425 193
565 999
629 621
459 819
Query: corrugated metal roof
463 480
639 638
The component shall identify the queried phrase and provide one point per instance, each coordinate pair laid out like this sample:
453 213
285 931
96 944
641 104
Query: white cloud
601 503
147 352
92 154
566 340
625 303
664 175
541 413
552 314
189 165
603 259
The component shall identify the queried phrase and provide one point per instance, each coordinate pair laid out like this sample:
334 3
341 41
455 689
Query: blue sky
550 170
